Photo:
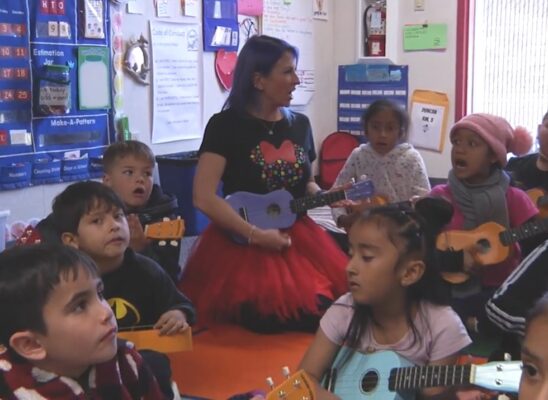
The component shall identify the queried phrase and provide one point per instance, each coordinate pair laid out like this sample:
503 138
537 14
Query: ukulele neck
414 378
307 203
524 231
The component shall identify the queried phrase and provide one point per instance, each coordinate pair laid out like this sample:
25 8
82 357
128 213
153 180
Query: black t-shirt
525 173
140 291
256 161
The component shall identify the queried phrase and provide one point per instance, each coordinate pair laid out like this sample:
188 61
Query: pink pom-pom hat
498 133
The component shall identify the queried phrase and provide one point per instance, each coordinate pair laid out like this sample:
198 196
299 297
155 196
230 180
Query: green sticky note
425 37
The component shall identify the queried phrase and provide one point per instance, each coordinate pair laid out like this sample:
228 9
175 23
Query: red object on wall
3 138
225 62
52 7
376 45
374 25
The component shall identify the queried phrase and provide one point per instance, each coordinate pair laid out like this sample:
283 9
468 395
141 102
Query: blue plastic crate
177 172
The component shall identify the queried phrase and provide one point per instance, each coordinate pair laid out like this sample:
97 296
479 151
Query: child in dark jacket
59 333
531 171
90 217
129 166
510 304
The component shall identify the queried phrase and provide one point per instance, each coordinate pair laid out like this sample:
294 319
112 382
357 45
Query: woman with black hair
282 279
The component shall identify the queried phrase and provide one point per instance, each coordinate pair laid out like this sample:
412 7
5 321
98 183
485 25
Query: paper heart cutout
225 62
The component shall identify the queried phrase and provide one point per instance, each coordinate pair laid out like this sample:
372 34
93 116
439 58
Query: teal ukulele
385 375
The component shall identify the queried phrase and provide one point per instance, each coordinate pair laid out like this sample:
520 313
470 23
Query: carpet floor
228 359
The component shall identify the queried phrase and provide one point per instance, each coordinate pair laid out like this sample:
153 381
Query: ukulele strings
372 381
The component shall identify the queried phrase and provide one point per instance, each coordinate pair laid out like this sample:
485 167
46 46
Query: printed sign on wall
428 119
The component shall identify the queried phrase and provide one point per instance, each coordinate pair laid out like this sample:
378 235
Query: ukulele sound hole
273 210
370 381
484 245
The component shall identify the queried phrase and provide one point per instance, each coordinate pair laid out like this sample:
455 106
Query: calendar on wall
55 90
360 85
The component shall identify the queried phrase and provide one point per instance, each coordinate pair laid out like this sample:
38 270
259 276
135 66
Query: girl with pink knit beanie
480 192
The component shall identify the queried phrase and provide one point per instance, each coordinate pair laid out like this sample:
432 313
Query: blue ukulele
278 209
385 375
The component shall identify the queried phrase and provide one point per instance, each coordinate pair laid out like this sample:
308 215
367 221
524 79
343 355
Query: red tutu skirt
222 276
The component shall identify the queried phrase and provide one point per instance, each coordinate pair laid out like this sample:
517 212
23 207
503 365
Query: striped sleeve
509 306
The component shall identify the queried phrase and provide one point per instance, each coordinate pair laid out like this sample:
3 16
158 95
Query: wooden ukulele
168 229
540 198
379 200
298 386
376 200
492 240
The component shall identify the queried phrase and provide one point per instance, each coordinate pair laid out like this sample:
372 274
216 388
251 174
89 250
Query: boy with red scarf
60 342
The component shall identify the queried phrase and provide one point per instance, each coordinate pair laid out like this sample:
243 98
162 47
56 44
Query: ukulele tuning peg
507 357
174 243
165 219
285 372
162 243
270 382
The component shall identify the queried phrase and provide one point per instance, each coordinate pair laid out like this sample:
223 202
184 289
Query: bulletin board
55 96
361 84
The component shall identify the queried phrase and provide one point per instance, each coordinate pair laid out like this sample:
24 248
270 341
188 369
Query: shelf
374 60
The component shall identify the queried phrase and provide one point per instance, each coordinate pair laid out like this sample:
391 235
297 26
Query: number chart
46 136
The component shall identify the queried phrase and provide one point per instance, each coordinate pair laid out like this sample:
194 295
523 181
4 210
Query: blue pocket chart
362 84
221 28
41 120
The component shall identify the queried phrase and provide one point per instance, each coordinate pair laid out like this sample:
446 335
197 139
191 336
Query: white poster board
292 21
177 108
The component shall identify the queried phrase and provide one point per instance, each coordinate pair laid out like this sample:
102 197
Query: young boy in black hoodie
128 170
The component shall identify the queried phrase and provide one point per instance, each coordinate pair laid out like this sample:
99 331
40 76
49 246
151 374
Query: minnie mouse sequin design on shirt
281 167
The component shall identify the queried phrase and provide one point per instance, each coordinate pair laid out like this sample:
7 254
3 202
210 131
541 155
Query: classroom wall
335 44
433 70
